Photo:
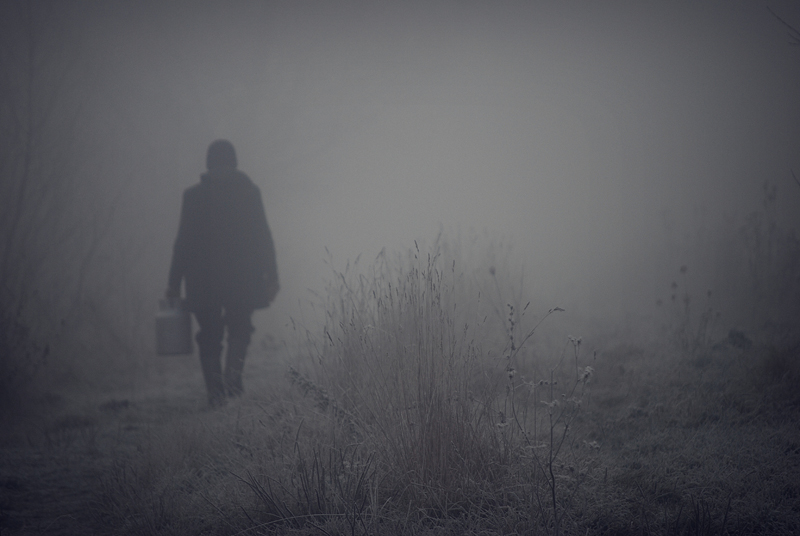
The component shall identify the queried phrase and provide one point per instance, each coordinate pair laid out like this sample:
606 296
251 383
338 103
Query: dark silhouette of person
225 255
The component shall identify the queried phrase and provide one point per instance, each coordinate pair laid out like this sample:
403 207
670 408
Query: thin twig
794 33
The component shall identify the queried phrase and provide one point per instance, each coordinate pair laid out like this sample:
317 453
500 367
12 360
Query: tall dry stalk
402 363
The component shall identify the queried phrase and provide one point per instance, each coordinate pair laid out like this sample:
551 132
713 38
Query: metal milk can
173 328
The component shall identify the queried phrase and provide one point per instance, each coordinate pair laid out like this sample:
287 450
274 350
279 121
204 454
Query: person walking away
225 257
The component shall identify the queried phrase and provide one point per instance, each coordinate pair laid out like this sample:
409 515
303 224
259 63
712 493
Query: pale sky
571 129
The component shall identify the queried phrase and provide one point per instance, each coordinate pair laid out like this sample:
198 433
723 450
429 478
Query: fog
632 167
597 139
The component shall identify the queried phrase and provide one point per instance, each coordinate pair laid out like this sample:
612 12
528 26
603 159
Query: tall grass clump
417 366
406 375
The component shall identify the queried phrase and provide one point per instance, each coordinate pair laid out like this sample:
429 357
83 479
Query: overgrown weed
458 423
401 364
690 332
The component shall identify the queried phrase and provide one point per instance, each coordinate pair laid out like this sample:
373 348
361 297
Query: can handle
170 304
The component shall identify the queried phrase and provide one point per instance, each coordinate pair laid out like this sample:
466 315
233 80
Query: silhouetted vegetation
52 222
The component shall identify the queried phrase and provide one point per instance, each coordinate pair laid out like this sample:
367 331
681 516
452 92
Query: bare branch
794 33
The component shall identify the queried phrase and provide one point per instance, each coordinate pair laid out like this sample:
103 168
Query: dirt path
53 461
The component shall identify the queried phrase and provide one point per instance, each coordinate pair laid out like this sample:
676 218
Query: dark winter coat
224 248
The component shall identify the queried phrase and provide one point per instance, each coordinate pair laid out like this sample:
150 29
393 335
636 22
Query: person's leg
240 330
209 343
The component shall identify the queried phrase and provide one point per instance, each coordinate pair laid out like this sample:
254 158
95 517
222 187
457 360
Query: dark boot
209 344
234 363
240 330
212 373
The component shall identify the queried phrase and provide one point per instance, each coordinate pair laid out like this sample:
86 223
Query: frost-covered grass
425 405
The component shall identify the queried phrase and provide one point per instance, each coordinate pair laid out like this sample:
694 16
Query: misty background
607 144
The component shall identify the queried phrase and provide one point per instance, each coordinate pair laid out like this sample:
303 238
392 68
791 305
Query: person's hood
223 177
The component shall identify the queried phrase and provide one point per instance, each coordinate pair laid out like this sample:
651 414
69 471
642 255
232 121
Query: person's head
221 155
